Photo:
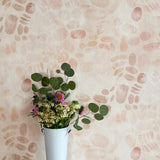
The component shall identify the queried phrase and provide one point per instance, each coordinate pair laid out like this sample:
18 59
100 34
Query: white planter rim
55 128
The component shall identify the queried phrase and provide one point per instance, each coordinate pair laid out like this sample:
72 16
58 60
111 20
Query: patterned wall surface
114 47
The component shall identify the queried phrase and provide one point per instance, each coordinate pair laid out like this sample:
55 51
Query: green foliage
47 94
80 110
65 66
54 83
72 85
98 116
93 107
34 88
60 80
103 110
64 87
86 121
58 71
67 95
76 126
73 115
45 81
69 73
36 77
44 90
35 99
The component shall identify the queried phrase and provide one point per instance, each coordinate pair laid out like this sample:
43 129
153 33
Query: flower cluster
56 113
51 107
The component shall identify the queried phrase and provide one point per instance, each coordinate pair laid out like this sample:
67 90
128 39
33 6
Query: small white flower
76 106
64 111
67 108
40 113
52 121
46 120
39 120
71 112
47 105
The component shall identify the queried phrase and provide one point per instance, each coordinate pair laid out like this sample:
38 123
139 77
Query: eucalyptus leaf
69 73
72 85
66 66
34 88
103 110
86 121
36 77
98 116
64 87
58 71
54 83
93 107
60 80
45 81
44 90
77 127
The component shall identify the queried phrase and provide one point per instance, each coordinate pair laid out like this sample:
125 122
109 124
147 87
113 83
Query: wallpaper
113 45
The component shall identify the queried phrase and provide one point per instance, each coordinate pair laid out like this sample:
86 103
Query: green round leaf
65 66
98 116
103 110
93 107
54 83
69 73
64 87
56 87
58 71
34 88
45 81
72 85
77 127
60 80
36 77
44 90
86 121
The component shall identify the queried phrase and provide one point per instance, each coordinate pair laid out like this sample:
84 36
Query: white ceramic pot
56 143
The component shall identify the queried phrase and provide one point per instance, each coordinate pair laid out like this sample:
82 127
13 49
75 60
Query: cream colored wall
114 48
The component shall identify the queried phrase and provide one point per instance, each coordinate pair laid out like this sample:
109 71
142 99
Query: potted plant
55 113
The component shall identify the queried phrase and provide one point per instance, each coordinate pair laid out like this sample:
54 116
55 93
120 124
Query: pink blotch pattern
145 36
78 34
136 14
114 49
136 153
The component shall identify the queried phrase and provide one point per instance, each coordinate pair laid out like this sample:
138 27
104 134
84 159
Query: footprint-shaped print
124 67
17 24
16 143
15 138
